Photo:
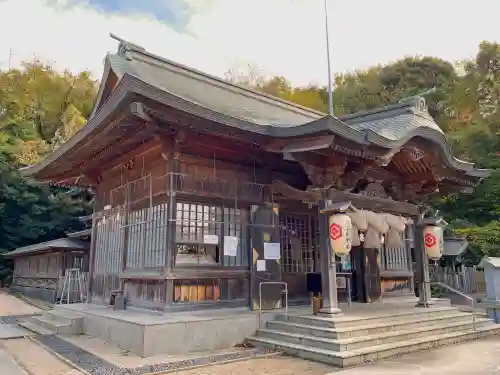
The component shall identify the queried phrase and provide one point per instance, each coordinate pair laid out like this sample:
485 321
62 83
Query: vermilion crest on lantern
430 240
335 231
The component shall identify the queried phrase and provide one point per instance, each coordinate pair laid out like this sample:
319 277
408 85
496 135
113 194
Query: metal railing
466 296
260 297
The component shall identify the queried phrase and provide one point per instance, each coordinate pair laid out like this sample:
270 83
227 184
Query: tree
31 212
41 108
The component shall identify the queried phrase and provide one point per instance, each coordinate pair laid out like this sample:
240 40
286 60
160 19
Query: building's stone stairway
347 341
54 322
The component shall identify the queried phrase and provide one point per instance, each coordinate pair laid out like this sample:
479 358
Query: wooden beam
358 201
143 149
374 203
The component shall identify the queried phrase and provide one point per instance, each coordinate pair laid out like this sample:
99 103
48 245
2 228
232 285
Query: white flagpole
330 88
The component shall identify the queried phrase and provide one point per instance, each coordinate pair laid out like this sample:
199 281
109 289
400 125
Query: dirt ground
10 305
263 366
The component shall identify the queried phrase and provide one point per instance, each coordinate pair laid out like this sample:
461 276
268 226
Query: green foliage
31 212
39 110
486 238
480 207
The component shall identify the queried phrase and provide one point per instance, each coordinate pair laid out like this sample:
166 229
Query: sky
284 37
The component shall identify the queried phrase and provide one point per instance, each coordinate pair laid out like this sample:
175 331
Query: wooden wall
45 265
40 276
131 240
37 276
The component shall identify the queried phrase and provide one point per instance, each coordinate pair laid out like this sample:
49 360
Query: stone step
61 313
368 319
374 328
64 317
366 341
35 328
368 354
61 327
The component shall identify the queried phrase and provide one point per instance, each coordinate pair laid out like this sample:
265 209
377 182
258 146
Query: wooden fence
467 280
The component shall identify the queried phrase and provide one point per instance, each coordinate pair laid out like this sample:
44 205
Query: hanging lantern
433 241
340 229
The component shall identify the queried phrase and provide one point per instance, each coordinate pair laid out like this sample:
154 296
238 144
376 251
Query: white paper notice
261 265
210 239
272 250
230 246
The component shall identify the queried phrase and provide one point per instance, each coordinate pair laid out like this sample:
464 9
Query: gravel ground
98 366
124 358
263 366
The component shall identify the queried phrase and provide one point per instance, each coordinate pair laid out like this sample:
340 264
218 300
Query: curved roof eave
327 124
365 137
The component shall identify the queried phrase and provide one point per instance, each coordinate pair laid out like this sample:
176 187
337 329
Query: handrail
260 297
472 299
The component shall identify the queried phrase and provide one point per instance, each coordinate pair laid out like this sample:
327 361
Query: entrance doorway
298 250
301 259
366 274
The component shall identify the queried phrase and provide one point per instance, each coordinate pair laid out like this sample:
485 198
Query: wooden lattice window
296 237
201 230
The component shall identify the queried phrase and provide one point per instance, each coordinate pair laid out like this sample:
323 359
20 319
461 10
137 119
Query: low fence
467 280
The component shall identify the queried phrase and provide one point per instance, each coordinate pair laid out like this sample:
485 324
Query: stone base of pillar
425 303
330 312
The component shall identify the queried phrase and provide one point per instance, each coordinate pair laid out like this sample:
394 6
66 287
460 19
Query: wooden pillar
409 240
171 155
126 230
328 266
425 297
93 238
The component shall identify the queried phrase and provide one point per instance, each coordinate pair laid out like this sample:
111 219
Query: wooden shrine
195 177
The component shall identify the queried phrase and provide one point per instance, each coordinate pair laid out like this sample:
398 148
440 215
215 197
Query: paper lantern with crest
433 241
340 231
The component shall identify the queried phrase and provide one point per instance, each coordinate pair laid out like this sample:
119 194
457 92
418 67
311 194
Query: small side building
39 269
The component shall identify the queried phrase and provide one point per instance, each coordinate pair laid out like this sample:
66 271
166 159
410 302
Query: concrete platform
148 334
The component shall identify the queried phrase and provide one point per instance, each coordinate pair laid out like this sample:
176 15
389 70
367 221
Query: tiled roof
61 244
235 106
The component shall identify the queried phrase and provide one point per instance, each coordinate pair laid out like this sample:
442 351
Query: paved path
8 366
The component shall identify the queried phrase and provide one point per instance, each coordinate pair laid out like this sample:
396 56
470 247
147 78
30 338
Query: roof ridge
390 107
127 50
